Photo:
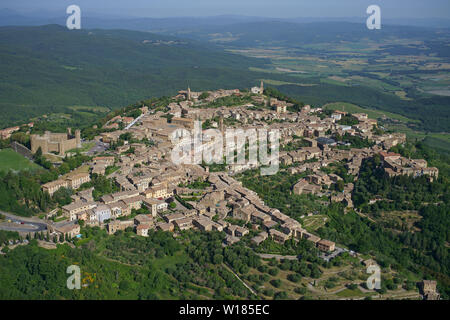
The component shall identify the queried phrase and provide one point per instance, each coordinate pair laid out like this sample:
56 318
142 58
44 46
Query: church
258 90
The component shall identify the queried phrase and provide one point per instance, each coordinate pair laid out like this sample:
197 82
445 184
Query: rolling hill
293 34
48 67
400 69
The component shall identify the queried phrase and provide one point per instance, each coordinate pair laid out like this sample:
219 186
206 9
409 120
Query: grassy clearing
86 146
402 94
11 160
348 293
313 223
53 157
162 263
399 219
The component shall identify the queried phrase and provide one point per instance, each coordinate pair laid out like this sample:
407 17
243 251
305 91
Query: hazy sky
267 8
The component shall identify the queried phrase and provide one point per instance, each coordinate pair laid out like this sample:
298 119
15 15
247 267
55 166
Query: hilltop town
151 193
246 153
148 182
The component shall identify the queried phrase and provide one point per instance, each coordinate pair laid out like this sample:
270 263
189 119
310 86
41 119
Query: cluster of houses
73 181
395 165
7 132
148 180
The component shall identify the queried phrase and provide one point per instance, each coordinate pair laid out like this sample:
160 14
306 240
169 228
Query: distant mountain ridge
276 32
91 20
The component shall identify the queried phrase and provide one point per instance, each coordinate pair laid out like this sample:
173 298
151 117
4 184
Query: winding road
22 224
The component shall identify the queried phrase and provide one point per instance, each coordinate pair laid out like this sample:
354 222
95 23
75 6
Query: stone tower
262 87
189 94
78 138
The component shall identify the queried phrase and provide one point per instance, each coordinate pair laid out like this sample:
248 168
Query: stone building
55 142
326 245
73 181
429 290
117 225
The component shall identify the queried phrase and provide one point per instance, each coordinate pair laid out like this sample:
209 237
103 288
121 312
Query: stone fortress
58 143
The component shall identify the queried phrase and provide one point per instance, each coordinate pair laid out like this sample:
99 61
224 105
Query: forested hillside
45 68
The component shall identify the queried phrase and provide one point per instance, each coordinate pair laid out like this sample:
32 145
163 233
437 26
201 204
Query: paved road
134 121
330 256
326 256
29 224
99 147
321 292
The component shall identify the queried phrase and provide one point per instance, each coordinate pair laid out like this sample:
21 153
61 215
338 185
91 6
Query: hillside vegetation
44 69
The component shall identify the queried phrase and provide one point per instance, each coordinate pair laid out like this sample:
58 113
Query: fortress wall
55 142
57 137
37 142
53 146
21 149
67 145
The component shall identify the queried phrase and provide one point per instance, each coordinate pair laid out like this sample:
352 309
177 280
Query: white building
103 212
258 90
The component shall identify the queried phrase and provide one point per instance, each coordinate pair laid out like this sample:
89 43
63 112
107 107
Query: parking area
99 147
328 256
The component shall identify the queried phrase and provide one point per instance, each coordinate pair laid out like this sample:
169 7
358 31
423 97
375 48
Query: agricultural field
397 71
400 220
367 63
314 222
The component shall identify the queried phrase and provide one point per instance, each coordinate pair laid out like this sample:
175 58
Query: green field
86 146
347 293
374 114
10 159
401 71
